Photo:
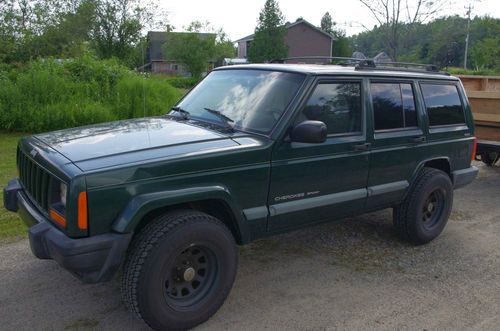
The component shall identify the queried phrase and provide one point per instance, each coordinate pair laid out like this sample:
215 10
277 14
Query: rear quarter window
443 104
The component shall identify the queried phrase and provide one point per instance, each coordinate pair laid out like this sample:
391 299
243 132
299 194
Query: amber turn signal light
82 211
58 218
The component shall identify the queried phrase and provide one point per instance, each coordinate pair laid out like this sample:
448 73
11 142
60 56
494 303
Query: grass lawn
11 226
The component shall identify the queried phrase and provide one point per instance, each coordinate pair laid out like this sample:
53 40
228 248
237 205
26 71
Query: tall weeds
48 94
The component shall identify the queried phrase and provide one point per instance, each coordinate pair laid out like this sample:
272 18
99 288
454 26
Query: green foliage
269 38
196 49
193 49
182 82
441 41
480 72
341 46
72 28
11 226
486 53
327 23
48 95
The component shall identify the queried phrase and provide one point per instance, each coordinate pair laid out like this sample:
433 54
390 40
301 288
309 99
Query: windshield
250 100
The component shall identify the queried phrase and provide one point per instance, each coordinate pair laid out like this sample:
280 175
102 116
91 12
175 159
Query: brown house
302 39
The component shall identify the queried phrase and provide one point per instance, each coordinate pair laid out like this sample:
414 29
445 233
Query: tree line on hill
402 33
441 42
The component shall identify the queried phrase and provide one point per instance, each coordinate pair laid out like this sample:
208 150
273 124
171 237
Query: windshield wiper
221 116
184 113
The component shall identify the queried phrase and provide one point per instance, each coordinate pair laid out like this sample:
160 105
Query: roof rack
370 64
348 60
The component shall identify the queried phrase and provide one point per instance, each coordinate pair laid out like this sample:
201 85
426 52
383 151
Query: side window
338 105
443 104
393 106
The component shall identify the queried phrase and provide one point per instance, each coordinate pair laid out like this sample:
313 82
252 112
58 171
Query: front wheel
423 214
180 270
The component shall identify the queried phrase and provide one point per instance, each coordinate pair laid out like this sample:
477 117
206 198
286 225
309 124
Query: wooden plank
487 133
485 106
483 94
486 117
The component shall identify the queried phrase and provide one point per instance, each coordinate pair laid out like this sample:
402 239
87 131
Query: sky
238 18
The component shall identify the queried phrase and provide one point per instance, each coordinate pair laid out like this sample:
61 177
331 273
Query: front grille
34 179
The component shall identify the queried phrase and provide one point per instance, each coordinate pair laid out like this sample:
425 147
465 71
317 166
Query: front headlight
63 192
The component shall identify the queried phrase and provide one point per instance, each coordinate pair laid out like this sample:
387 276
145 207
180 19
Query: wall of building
303 40
242 49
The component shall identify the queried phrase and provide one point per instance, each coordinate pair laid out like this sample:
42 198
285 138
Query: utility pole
467 37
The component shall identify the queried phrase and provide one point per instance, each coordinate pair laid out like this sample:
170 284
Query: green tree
393 14
486 53
224 47
269 38
196 49
327 23
341 45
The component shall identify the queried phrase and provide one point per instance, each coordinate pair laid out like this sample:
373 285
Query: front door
314 182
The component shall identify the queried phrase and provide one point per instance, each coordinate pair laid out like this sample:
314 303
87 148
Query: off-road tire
489 158
410 218
151 257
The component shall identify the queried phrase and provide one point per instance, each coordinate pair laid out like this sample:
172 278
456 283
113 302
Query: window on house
443 104
338 105
393 106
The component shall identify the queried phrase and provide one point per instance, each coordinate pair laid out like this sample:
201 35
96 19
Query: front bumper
93 259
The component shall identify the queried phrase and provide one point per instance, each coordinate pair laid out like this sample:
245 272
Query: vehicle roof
330 69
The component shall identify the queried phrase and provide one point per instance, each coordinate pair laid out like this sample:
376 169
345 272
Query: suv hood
114 143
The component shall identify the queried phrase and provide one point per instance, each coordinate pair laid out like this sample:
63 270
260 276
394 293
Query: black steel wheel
424 212
190 277
433 208
179 270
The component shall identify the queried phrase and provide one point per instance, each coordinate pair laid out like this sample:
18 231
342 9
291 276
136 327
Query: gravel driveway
353 274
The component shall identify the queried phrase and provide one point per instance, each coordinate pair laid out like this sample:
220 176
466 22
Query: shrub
49 94
182 82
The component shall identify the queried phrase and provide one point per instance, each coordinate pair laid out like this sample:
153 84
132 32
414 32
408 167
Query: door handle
417 140
362 147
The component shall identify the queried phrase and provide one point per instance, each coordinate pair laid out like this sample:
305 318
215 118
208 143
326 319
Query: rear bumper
93 259
464 177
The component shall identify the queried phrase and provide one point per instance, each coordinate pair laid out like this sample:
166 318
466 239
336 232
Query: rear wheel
489 158
180 270
424 212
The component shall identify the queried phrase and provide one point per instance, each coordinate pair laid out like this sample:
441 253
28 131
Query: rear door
313 182
450 122
398 140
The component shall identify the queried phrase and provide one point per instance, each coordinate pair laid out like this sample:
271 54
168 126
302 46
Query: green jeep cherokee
251 151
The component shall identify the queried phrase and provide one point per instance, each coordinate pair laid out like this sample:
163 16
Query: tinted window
338 105
393 106
253 99
410 112
443 104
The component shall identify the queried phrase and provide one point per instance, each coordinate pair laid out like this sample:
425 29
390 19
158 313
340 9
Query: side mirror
312 132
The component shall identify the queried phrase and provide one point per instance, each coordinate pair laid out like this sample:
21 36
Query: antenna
143 82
